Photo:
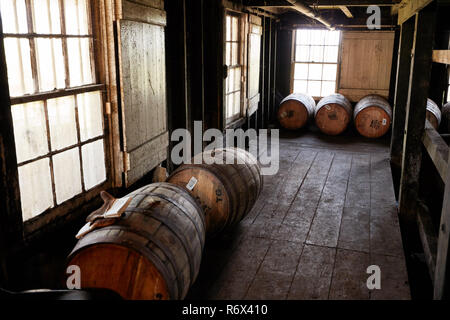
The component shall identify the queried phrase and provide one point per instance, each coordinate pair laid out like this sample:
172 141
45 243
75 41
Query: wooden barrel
445 116
226 190
152 252
433 113
372 116
333 114
295 110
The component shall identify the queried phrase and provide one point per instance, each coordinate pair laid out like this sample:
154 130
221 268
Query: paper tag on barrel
191 184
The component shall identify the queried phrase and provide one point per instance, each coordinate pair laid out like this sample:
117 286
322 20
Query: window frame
97 48
294 62
230 121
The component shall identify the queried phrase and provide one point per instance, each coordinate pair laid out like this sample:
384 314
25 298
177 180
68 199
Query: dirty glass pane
66 168
20 78
50 64
35 188
30 133
93 164
61 117
90 115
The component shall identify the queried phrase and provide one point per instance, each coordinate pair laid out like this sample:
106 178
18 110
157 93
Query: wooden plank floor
328 214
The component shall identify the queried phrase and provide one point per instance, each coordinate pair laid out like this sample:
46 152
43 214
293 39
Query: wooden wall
366 61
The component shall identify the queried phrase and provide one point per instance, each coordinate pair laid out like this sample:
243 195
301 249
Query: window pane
93 164
303 37
235 54
228 104
315 72
90 115
332 38
20 78
302 53
30 132
66 168
228 53
301 71
46 16
14 16
61 117
329 72
230 80
331 54
237 79
317 37
35 188
237 103
314 88
79 62
76 17
316 54
228 28
235 29
50 64
328 87
300 86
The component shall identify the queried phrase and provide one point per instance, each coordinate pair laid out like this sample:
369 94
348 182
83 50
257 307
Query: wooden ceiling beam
321 3
346 11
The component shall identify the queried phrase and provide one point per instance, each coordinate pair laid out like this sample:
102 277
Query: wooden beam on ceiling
321 4
441 56
346 11
407 8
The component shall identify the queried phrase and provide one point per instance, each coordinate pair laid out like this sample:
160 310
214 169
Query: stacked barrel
154 249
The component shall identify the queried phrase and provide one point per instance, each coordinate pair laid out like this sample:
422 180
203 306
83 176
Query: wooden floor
328 214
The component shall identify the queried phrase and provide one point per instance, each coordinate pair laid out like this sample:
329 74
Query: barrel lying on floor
372 116
226 190
295 110
333 114
152 252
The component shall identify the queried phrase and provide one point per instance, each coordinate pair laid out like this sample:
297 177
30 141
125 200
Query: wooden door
141 55
254 58
366 60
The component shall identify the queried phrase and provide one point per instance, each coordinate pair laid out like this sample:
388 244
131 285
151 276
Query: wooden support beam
441 56
441 276
346 11
326 3
428 237
401 91
415 113
11 224
437 149
408 8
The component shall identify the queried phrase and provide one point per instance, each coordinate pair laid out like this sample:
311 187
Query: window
233 60
315 63
56 105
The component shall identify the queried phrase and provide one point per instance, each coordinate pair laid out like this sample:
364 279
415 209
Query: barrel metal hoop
164 197
177 232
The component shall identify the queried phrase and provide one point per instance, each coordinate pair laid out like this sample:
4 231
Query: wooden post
415 113
401 90
10 213
441 276
176 69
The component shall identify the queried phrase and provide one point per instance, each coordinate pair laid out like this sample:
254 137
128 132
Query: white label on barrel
384 122
191 184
